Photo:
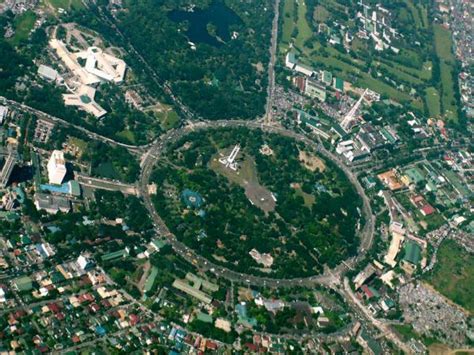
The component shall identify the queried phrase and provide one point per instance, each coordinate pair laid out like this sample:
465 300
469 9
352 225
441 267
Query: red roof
134 319
53 307
367 292
428 209
60 316
211 345
251 347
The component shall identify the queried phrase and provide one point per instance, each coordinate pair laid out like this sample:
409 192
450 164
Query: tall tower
56 167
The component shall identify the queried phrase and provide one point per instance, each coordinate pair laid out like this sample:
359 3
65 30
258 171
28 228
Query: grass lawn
23 24
424 14
321 14
288 22
107 170
398 74
432 101
443 45
170 120
453 275
309 199
65 4
247 177
304 31
443 42
415 14
128 135
448 100
406 331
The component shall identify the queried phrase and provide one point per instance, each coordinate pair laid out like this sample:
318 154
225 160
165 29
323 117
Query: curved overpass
328 278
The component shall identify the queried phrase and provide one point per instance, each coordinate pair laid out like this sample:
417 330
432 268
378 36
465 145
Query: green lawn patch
443 42
288 21
443 46
65 4
433 101
128 135
107 170
304 31
448 100
23 24
453 274
169 120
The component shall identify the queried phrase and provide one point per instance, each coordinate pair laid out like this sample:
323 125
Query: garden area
278 213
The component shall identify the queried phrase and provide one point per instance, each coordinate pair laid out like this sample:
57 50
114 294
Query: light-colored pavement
104 184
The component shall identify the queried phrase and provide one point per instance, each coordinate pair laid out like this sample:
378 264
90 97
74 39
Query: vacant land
453 274
311 162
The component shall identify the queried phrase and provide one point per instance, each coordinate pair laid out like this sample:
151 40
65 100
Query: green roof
75 188
412 252
327 77
291 58
203 317
158 243
150 280
388 136
23 283
415 175
339 84
9 215
114 255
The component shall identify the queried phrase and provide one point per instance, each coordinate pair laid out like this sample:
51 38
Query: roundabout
256 223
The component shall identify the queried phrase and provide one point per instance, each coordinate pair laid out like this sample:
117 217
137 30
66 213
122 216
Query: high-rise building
56 167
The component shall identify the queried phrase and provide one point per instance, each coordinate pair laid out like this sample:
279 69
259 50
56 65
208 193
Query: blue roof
60 189
192 199
68 188
100 330
20 195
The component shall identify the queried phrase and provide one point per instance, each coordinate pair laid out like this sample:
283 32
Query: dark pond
217 14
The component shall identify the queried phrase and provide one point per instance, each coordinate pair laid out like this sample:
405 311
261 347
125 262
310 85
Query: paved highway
271 65
104 184
25 108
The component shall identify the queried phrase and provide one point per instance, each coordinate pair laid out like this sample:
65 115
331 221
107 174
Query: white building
56 167
47 73
83 98
3 113
83 262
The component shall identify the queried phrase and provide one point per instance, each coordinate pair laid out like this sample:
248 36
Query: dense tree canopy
313 224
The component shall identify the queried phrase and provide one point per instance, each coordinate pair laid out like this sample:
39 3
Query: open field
246 177
23 24
128 135
64 4
309 199
453 274
288 23
304 31
311 162
398 73
443 46
432 101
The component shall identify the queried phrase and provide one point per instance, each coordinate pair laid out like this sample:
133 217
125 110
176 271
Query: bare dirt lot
311 162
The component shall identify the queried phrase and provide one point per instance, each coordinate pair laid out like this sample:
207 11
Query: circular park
257 203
